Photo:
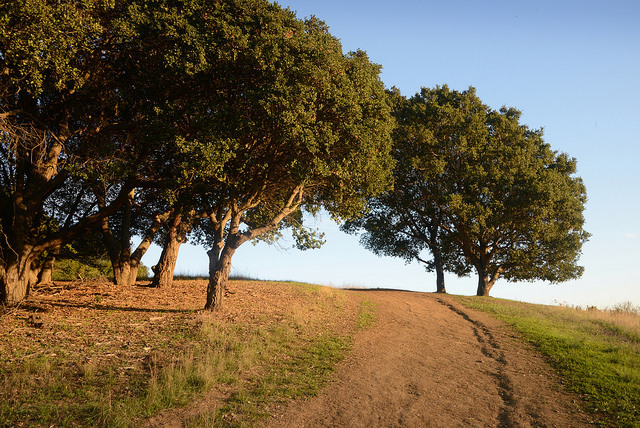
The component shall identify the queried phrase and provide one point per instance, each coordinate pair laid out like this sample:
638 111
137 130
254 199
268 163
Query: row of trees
127 116
478 191
228 121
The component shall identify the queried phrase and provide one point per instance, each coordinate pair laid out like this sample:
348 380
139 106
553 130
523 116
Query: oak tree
286 122
491 190
80 108
52 62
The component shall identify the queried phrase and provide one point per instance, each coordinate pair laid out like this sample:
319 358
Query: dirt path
428 361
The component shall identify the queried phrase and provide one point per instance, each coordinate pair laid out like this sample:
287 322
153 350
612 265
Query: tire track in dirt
427 361
491 349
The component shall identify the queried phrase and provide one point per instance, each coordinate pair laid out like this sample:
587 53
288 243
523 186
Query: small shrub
72 270
143 272
626 308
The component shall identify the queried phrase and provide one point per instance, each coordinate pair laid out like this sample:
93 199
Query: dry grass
111 356
622 319
596 351
624 315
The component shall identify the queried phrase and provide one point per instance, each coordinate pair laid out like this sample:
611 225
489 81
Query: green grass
596 352
298 372
253 363
367 314
54 387
294 364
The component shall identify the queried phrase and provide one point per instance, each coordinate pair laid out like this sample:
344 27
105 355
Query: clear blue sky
571 67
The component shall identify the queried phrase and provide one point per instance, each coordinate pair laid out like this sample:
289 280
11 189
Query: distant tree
483 187
403 222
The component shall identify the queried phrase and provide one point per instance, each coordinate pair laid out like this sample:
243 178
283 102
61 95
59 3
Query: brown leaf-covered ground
426 361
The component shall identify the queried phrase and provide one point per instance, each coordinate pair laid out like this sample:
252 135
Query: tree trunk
46 270
175 237
121 272
220 262
219 269
33 275
15 281
134 266
486 280
218 278
437 261
166 266
125 271
119 248
483 285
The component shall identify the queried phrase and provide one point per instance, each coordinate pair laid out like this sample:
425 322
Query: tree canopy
235 110
481 191
57 100
130 116
301 126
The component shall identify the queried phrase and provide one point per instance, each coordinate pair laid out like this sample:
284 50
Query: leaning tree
84 104
281 121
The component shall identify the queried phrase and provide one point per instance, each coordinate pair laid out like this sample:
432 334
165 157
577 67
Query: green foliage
72 270
143 272
598 357
234 106
479 190
301 113
43 43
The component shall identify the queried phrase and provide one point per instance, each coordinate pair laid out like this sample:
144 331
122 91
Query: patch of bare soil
98 321
428 361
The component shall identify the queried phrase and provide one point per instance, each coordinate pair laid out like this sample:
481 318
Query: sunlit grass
253 363
367 314
596 352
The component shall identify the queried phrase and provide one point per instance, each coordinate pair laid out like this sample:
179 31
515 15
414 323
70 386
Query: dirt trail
428 361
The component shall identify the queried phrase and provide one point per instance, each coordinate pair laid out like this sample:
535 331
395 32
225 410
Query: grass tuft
367 314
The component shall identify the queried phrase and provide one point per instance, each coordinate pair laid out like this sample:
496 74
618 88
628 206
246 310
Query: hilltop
278 354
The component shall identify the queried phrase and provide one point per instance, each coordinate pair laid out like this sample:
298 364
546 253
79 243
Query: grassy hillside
596 352
90 354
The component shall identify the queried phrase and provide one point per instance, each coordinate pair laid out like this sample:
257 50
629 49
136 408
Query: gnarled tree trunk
166 266
220 261
219 269
16 279
126 267
121 272
486 280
